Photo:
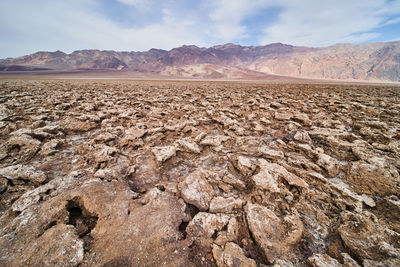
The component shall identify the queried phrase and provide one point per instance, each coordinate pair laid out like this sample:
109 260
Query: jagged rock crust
178 173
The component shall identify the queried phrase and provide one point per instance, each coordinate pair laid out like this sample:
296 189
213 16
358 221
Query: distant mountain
370 61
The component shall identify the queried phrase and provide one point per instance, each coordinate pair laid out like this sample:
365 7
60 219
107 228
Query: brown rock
105 137
103 153
234 256
302 117
164 153
330 164
190 146
54 128
264 179
245 165
75 125
275 236
225 205
385 263
302 136
283 115
366 237
132 134
218 254
58 246
204 225
144 174
292 126
371 179
323 260
26 146
23 172
217 140
236 182
50 148
196 190
351 198
277 171
107 173
270 153
231 234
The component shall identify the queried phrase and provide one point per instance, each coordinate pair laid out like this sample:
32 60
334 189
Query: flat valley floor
196 173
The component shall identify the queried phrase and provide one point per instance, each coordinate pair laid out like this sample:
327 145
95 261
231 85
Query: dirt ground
196 173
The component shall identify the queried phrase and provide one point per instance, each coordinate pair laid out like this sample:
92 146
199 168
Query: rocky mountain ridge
369 61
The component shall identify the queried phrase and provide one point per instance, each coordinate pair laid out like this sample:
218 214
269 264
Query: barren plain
196 173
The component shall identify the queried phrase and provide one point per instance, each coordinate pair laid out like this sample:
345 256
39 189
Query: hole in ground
215 235
192 210
248 243
182 229
83 221
254 251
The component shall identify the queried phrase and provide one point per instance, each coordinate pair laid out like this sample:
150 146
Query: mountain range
369 61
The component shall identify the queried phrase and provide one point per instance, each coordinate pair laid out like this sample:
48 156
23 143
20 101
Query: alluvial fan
190 173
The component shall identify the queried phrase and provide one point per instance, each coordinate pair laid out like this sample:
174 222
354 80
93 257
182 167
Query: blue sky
28 26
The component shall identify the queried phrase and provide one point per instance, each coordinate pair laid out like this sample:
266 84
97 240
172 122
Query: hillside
370 61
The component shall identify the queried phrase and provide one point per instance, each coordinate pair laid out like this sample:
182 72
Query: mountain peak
226 46
186 47
157 50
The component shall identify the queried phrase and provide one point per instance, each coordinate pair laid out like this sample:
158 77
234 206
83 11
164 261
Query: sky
28 26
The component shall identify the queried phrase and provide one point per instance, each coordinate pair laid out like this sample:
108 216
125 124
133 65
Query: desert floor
198 173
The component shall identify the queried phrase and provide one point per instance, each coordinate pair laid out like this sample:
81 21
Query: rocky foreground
155 173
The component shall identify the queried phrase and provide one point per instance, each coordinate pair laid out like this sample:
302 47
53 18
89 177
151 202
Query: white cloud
227 17
304 22
320 23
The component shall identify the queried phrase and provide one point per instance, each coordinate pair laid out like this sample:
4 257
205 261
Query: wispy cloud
143 5
392 21
319 23
28 26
